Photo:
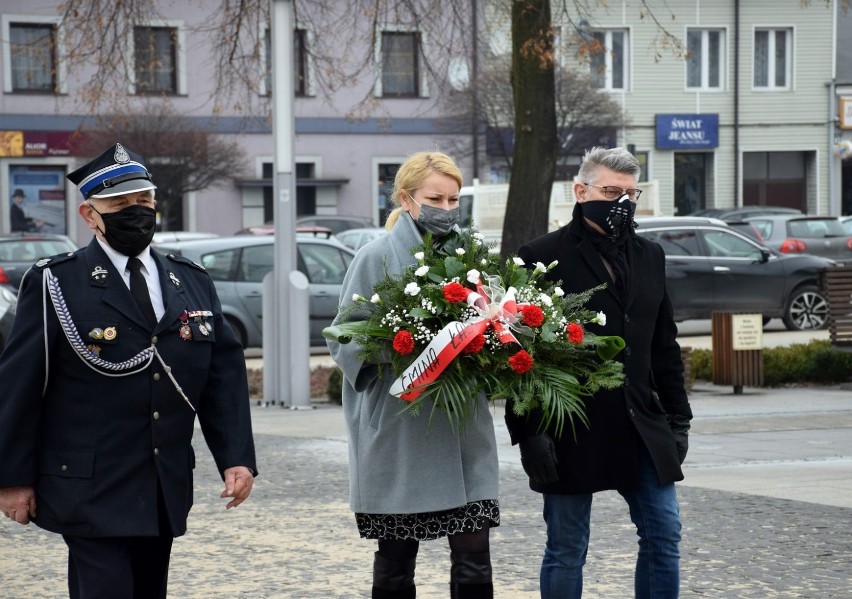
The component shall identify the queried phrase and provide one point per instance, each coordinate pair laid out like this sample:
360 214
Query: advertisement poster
37 201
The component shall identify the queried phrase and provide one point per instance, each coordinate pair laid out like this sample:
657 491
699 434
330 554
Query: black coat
96 447
605 456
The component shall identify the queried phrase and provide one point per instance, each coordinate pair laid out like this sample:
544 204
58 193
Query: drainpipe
737 103
474 68
834 208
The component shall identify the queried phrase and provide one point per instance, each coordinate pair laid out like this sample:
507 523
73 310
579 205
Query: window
256 262
772 58
400 68
220 265
323 264
608 63
721 244
706 57
32 49
680 242
155 55
300 63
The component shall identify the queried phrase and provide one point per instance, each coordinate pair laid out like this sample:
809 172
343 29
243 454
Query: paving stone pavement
296 538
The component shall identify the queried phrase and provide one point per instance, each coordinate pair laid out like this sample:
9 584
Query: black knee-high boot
470 576
393 579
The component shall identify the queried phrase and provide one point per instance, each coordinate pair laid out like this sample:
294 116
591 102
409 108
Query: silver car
238 264
817 235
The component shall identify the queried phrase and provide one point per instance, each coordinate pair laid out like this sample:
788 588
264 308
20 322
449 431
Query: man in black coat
637 435
113 353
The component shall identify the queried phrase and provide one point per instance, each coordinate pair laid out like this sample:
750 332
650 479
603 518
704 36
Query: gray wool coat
398 463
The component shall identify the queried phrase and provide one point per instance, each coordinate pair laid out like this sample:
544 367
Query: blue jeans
653 509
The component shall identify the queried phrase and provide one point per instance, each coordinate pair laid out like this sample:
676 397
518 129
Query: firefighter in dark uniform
114 351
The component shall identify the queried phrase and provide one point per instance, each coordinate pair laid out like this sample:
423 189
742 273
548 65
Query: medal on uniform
185 331
96 333
94 350
110 333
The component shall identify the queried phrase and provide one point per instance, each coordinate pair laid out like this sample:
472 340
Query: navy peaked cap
115 172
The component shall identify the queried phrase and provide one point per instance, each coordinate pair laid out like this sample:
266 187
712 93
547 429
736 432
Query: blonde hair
413 172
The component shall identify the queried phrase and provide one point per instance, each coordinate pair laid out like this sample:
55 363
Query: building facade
755 109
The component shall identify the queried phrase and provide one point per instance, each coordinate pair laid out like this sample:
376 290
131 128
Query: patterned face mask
613 216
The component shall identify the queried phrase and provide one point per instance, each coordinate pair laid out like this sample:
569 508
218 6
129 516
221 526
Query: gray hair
615 159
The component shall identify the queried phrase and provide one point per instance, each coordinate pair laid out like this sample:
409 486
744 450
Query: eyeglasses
611 192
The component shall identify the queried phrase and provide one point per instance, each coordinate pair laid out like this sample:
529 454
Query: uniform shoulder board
54 260
182 260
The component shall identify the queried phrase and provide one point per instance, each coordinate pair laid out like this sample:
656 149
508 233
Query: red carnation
533 316
475 346
575 333
521 362
403 343
453 292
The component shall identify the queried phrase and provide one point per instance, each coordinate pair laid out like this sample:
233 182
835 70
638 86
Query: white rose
518 261
540 267
421 272
473 276
419 255
545 299
600 319
411 289
460 251
552 265
557 291
484 262
358 298
376 299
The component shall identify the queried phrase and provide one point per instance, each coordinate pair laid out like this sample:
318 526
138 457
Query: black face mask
129 231
613 216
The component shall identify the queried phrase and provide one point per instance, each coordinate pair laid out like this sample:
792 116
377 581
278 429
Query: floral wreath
459 322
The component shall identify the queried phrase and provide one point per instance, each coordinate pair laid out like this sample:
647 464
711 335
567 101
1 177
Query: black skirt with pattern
427 526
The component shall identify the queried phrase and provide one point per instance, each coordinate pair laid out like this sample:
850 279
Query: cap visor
125 187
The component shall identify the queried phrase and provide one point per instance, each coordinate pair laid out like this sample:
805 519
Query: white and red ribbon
499 313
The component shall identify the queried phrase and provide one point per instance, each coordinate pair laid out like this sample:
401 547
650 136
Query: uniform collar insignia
173 278
99 275
43 262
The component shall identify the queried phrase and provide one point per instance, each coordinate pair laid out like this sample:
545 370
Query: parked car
743 212
324 232
167 236
337 223
8 306
846 221
711 267
746 228
355 238
238 264
818 235
19 251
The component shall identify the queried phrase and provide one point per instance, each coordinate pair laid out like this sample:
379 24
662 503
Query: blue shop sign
687 131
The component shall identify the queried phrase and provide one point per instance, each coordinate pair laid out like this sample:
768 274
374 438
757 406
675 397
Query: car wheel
807 309
238 329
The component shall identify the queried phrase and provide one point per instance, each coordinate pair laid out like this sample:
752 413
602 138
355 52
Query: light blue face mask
437 220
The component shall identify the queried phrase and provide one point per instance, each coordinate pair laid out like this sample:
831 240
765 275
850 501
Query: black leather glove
538 457
680 429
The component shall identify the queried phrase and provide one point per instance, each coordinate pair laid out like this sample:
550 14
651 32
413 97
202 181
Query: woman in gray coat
411 480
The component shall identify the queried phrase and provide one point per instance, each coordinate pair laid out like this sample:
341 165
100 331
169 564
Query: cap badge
175 281
100 273
120 155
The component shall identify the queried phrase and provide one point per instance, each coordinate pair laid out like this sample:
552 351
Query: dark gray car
238 264
711 267
8 306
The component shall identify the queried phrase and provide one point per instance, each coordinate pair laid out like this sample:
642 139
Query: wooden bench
837 285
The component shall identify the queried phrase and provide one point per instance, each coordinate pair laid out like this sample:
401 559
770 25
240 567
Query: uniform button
156 451
626 351
626 318
156 415
156 376
154 340
630 411
69 254
64 467
626 381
